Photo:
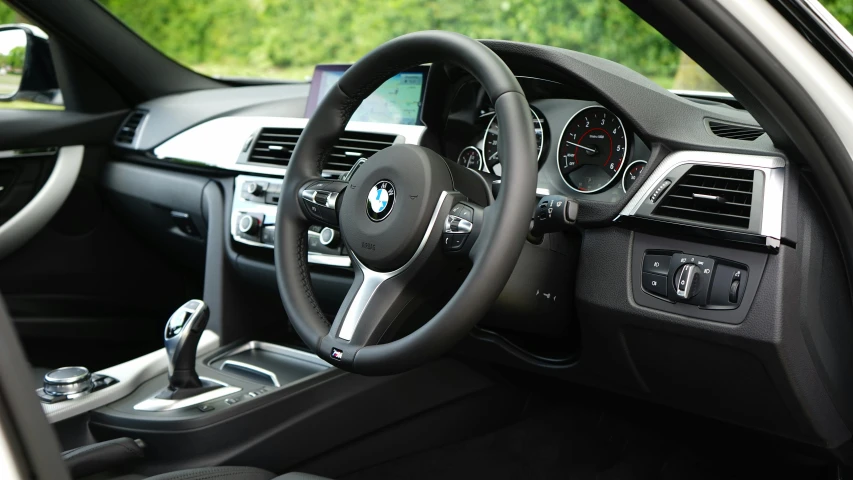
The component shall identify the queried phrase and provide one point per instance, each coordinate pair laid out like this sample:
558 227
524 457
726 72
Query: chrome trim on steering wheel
373 279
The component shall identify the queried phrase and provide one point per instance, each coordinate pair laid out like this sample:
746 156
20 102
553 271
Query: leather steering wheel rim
501 236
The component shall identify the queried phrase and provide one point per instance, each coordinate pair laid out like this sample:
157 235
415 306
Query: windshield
284 39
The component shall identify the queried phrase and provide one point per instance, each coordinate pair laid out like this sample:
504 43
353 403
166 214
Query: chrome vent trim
222 142
130 131
773 169
720 196
735 131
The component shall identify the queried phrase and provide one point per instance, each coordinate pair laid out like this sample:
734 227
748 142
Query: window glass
284 39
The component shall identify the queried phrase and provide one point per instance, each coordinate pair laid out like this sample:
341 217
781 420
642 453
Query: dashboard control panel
253 213
692 279
707 282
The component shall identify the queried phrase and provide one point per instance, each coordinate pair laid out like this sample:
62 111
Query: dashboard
680 283
584 149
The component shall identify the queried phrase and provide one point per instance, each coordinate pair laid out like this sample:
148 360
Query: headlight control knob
687 281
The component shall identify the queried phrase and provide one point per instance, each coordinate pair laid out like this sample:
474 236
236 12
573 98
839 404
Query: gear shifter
183 331
185 389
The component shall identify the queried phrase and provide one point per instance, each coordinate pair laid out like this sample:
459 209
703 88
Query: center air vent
354 145
130 127
275 146
713 195
735 131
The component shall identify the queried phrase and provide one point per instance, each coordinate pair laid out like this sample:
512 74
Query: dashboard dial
592 149
490 141
470 157
633 171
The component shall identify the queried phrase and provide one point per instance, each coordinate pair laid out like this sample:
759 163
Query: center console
253 214
251 403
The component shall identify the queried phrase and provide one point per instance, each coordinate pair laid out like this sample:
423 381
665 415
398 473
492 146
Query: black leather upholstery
232 473
102 456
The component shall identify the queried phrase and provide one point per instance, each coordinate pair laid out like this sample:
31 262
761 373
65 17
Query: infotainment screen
398 100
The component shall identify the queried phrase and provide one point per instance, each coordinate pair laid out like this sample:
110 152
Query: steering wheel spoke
320 199
379 303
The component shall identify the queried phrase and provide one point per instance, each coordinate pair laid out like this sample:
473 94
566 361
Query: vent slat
734 131
275 146
127 131
692 197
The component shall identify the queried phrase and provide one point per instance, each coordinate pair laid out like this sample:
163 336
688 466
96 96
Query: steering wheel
405 218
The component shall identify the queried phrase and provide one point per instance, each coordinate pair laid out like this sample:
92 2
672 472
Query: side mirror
26 66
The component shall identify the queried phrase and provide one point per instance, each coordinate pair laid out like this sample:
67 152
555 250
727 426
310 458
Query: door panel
87 289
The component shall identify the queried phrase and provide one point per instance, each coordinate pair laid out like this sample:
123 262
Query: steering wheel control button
658 264
321 199
662 187
454 224
452 242
380 200
655 284
463 211
68 382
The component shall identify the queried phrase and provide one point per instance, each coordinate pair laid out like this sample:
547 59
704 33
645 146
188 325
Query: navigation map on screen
398 100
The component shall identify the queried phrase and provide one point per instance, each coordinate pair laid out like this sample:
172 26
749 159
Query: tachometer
490 141
470 157
592 149
633 171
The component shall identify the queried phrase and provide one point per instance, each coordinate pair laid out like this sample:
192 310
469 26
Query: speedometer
592 149
490 141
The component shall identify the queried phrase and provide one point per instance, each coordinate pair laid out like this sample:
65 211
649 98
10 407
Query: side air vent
735 131
130 127
275 146
709 194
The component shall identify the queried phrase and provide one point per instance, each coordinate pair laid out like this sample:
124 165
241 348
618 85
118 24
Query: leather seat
232 473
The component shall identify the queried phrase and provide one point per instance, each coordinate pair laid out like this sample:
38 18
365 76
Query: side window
27 77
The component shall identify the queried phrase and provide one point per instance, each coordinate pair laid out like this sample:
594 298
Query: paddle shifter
183 331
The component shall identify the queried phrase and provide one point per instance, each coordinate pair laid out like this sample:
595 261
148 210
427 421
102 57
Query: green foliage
285 38
270 35
7 15
842 10
15 58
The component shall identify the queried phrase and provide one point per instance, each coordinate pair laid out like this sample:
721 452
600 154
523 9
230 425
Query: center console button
658 264
655 284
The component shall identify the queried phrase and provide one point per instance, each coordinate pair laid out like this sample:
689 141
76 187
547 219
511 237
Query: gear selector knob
183 331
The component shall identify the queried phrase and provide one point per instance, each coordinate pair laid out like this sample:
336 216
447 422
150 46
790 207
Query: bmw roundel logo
380 200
